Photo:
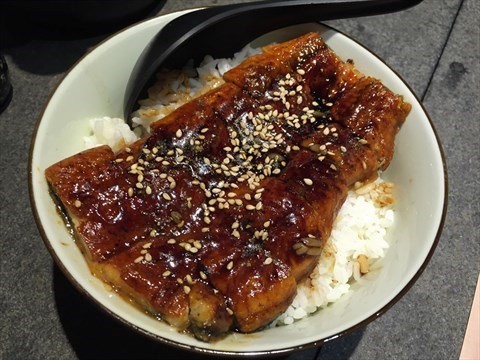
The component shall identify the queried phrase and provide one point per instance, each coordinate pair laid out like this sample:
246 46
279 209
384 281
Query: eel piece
212 220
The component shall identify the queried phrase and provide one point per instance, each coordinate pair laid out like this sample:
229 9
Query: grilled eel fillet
212 220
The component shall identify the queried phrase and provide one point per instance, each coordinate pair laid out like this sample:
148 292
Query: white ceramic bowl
95 87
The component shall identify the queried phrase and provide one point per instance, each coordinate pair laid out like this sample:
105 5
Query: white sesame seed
230 265
197 244
268 261
78 203
308 181
178 134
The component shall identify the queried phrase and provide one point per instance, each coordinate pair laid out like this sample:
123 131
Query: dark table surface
434 46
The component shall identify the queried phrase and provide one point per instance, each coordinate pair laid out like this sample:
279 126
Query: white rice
172 89
359 232
110 131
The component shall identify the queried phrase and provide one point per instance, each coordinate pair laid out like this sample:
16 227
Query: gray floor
434 46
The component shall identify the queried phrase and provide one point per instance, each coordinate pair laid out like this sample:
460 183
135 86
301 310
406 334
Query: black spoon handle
220 31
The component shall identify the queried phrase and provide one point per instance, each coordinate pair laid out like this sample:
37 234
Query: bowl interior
95 87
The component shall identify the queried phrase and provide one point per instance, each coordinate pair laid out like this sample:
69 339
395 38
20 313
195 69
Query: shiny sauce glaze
212 220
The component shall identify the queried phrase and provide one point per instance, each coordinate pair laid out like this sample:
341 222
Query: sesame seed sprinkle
258 146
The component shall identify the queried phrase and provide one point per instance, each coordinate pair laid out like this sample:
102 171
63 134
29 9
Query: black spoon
222 30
